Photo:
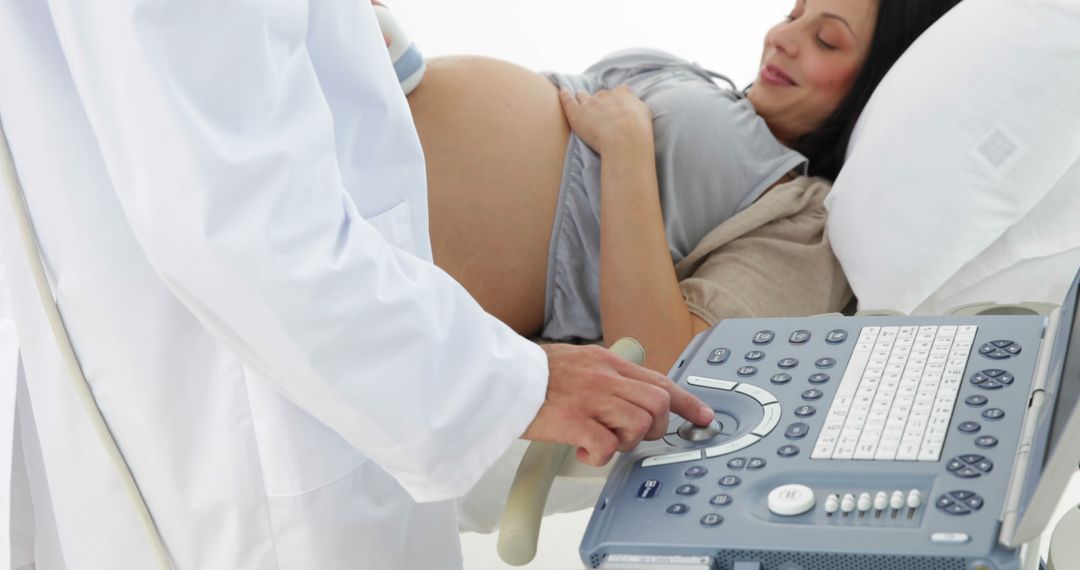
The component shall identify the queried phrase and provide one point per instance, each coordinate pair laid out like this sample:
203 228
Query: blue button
746 371
976 400
721 500
819 378
737 464
993 413
780 378
696 472
755 355
825 363
787 363
719 356
986 441
730 481
764 337
686 490
788 451
678 509
755 463
648 489
811 395
836 337
711 519
799 337
805 411
969 427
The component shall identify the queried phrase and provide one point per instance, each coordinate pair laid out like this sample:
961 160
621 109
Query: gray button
825 363
730 481
737 464
746 371
971 458
694 433
721 500
836 337
718 356
976 400
955 465
755 463
764 337
993 413
780 379
957 509
985 466
974 503
986 441
678 509
811 395
686 490
967 473
819 378
711 519
696 472
943 502
799 337
962 495
805 411
788 451
969 427
787 363
797 431
755 355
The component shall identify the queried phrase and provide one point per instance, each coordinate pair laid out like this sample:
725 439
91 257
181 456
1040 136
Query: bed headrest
974 128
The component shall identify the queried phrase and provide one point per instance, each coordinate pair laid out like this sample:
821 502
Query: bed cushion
974 127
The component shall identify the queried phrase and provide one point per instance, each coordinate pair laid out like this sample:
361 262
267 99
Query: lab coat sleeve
220 144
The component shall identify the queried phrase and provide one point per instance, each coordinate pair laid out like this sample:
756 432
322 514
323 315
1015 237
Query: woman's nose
784 38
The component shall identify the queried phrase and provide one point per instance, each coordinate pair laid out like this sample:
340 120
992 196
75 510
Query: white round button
791 500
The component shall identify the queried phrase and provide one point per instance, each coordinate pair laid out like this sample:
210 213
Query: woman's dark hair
899 23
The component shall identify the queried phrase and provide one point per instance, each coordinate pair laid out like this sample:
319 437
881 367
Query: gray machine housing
632 526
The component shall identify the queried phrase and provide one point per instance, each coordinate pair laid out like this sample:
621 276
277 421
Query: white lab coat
232 207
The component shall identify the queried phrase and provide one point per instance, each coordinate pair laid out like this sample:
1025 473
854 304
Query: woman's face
810 62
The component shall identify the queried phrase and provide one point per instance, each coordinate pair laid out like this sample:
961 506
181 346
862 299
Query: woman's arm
639 292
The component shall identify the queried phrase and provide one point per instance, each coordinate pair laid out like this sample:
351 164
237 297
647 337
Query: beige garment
770 260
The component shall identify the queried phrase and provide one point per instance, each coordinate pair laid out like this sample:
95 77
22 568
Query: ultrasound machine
849 443
856 443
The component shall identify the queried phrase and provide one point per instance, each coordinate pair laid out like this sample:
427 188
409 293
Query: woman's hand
608 119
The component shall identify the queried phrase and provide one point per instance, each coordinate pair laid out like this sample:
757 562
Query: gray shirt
714 157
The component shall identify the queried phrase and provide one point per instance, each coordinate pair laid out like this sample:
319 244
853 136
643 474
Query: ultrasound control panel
839 442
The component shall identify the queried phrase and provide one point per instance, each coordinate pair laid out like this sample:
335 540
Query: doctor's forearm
639 292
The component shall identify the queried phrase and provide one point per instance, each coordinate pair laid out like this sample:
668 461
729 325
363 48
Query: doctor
230 198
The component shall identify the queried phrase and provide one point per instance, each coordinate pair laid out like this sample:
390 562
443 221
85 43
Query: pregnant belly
494 138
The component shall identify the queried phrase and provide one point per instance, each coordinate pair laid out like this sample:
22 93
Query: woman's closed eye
824 44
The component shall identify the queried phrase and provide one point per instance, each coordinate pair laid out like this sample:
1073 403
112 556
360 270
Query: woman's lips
772 74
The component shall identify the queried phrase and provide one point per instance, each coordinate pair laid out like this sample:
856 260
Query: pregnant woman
642 198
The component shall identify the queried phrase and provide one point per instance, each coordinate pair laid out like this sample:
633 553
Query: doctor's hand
601 403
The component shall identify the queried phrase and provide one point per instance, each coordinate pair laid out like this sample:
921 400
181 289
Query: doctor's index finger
683 403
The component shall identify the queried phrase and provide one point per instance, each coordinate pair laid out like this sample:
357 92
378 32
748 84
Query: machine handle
542 462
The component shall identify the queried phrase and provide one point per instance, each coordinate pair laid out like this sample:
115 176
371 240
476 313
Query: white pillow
971 128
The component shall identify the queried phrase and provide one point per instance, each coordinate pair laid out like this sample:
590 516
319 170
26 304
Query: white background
568 35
